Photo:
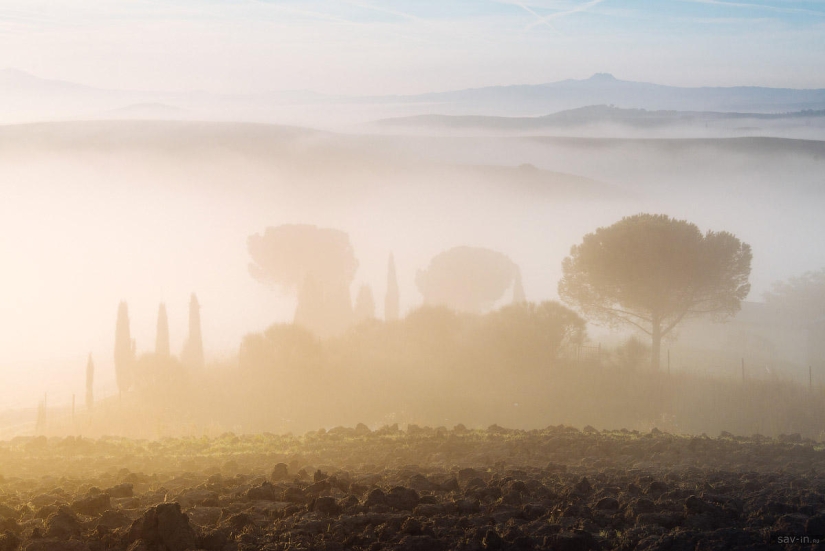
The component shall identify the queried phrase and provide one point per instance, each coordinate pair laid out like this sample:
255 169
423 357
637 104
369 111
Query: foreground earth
418 489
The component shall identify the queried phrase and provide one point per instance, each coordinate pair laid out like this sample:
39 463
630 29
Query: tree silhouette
651 272
391 299
162 339
433 330
529 334
800 299
282 347
292 256
124 349
90 382
192 355
467 279
310 310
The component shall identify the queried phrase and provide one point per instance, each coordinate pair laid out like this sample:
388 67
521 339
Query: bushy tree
530 334
293 256
466 279
652 271
631 354
311 310
800 300
281 347
433 329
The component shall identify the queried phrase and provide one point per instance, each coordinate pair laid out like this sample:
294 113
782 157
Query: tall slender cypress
124 349
193 351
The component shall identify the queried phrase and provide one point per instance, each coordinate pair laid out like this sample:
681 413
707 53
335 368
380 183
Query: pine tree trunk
656 347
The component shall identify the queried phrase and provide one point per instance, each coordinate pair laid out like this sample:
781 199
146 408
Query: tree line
648 272
144 371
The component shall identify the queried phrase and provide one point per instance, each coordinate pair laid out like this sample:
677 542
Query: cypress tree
162 339
193 351
391 298
124 349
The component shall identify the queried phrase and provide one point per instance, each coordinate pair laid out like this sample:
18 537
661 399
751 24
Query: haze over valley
151 211
393 275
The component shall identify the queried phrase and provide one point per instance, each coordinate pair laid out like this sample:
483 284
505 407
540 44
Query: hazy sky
411 46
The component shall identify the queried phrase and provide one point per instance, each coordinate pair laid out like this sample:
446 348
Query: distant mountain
592 115
25 97
15 81
604 89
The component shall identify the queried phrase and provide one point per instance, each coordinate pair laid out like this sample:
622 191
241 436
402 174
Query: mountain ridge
25 97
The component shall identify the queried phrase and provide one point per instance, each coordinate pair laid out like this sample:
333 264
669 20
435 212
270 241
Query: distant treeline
516 367
516 338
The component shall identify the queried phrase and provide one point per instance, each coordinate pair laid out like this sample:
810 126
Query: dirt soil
417 489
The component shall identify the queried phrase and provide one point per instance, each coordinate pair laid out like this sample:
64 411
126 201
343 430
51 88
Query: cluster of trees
318 265
521 336
801 299
455 356
648 272
146 370
433 364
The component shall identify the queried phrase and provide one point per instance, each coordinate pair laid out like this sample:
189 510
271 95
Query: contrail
527 9
547 18
304 13
764 7
384 10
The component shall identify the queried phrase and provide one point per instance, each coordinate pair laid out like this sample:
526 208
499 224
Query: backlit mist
412 275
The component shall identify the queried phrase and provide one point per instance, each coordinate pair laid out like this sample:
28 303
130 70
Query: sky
412 46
